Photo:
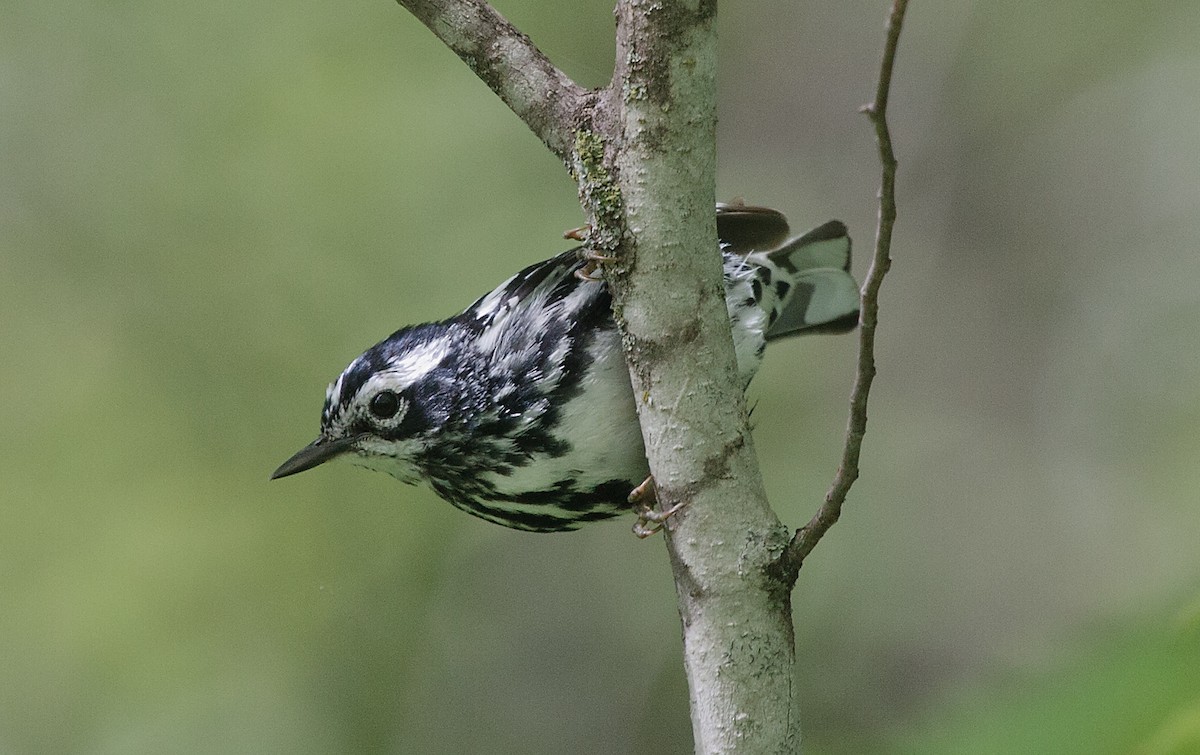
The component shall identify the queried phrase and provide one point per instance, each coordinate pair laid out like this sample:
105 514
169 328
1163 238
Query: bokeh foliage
207 209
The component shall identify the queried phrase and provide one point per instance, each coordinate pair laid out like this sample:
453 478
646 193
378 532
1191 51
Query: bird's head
384 407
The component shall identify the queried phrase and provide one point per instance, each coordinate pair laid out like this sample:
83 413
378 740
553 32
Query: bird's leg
649 519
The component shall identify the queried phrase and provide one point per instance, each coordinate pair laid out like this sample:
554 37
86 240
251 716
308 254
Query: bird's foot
592 258
591 265
649 519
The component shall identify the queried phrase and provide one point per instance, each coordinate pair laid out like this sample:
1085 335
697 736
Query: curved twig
807 537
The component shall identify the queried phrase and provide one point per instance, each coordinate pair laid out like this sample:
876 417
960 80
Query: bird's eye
385 404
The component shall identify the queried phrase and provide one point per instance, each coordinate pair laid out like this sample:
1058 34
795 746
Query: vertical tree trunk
669 299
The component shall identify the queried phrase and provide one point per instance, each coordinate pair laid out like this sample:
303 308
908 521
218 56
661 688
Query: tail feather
824 297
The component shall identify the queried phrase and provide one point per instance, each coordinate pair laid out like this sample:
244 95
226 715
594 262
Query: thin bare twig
505 59
809 535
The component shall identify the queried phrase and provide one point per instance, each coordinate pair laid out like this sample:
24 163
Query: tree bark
669 300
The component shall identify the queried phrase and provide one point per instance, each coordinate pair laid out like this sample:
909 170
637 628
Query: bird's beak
319 451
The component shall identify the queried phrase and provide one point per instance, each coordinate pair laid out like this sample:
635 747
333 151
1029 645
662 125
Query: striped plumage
519 410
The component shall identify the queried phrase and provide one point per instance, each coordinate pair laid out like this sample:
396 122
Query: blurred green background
207 209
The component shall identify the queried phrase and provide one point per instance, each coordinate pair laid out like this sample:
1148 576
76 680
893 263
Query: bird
519 410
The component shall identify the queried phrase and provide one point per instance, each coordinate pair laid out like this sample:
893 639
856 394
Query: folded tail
824 296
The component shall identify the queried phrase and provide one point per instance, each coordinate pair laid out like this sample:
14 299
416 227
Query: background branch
809 535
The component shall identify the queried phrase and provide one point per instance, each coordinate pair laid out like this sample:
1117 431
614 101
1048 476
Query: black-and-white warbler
520 410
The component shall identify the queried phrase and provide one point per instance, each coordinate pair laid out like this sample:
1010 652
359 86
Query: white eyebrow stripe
410 366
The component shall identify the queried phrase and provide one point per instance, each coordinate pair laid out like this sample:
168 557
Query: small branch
505 59
810 534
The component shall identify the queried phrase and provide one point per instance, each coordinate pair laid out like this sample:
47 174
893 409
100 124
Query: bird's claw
592 258
578 234
649 519
591 265
587 273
